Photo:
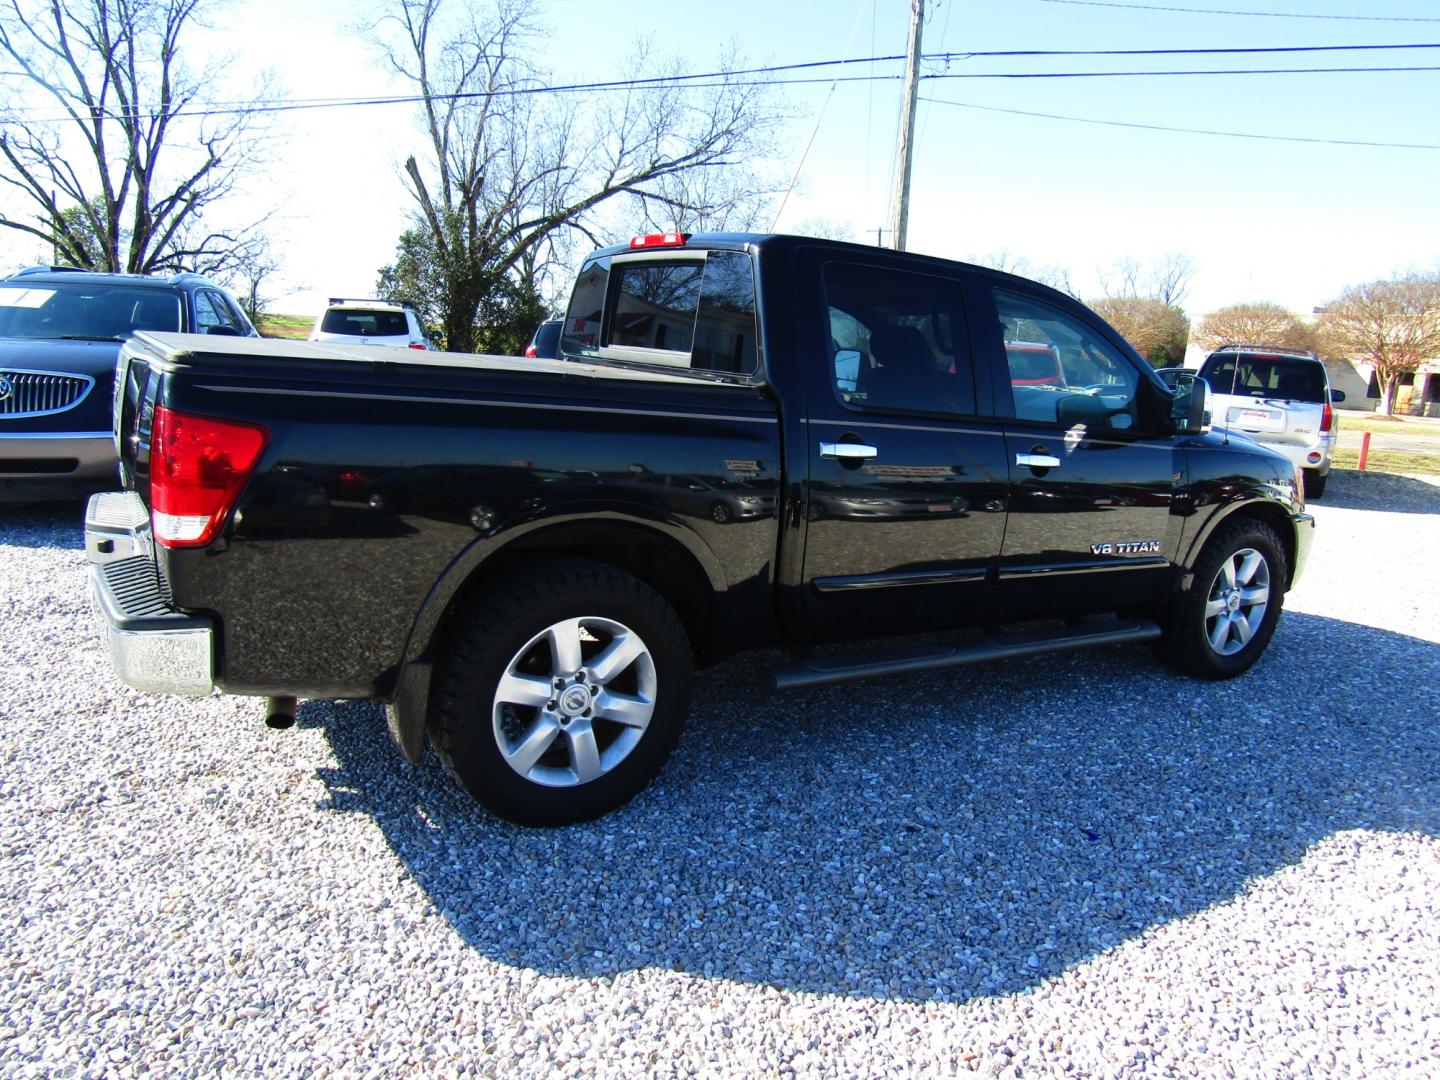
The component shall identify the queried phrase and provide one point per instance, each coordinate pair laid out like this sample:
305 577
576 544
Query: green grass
1387 461
1380 424
286 326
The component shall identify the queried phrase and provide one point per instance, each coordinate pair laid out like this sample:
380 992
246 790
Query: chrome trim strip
1093 566
852 583
275 391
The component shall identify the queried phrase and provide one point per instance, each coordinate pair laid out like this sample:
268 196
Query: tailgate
1274 419
137 384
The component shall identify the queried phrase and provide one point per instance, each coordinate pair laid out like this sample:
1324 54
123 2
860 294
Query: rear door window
898 341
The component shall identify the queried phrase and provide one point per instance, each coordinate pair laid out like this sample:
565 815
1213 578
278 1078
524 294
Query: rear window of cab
683 309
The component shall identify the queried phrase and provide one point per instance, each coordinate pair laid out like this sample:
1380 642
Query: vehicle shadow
1352 490
43 525
931 838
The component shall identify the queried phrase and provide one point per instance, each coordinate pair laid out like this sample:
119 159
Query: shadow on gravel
43 525
930 838
1352 490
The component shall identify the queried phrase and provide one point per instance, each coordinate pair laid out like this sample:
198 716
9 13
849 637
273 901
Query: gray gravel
1080 865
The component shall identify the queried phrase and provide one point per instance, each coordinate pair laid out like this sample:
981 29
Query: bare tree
508 171
1002 259
1255 324
829 229
1122 278
1392 325
124 180
1166 278
254 262
1170 277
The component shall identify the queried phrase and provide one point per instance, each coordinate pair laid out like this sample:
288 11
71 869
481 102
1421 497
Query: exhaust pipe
280 712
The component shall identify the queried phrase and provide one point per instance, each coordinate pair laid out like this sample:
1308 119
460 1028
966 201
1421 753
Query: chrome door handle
847 451
1037 461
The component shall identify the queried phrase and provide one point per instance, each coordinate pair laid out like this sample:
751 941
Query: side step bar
820 671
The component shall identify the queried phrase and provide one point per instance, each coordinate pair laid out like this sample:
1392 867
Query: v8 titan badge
1136 547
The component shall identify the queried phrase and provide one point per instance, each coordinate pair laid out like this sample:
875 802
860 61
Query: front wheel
1221 624
562 695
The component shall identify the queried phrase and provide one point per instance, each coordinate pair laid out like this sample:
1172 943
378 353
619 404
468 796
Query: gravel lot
1080 865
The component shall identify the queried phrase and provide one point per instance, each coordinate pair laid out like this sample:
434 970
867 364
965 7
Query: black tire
721 512
1315 483
1222 642
576 765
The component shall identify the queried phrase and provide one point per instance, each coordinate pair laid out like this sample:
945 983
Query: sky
1291 222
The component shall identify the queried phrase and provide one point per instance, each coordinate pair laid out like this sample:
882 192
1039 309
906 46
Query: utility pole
906 150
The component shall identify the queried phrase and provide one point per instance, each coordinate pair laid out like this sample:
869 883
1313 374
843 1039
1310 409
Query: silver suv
1280 398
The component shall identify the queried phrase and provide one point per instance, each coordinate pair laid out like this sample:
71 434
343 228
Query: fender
409 703
1285 522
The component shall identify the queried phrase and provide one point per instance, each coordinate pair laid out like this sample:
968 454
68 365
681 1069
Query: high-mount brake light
1327 417
655 240
198 465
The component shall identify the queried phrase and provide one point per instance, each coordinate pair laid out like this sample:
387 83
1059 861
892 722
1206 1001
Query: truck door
1093 466
906 501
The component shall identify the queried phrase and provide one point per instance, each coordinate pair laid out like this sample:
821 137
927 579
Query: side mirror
1190 411
1337 395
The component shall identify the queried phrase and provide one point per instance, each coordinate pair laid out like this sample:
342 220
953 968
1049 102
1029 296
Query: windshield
84 310
1290 378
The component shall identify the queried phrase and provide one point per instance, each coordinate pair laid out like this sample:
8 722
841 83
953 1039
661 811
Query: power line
1183 52
727 78
1257 14
1181 130
1144 74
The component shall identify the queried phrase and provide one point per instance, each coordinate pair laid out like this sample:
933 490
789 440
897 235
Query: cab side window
211 310
898 341
1062 371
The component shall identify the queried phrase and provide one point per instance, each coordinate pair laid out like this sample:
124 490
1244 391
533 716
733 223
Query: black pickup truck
746 441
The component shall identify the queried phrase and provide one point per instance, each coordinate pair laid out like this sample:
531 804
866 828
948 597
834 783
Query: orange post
1364 449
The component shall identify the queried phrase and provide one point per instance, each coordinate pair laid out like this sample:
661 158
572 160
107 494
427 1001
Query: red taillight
417 345
531 351
1327 417
198 465
654 240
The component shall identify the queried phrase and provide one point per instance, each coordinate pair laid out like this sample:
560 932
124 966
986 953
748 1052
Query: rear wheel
563 694
1221 625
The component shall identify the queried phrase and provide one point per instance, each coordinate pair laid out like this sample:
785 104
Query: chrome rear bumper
152 646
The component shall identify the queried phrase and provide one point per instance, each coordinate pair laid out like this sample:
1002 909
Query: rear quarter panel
381 486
